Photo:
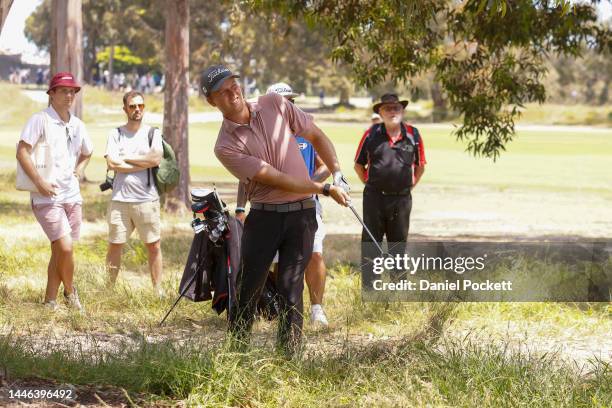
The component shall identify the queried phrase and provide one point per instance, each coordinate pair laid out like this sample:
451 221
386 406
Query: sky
13 41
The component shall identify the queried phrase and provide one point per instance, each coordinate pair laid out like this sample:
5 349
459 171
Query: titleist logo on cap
217 72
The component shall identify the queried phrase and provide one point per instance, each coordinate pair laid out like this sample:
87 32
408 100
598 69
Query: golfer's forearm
23 156
324 147
321 175
361 172
272 177
241 196
321 172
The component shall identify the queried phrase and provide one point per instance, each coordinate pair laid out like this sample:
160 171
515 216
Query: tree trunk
440 110
67 43
89 59
5 6
345 94
603 96
111 63
176 96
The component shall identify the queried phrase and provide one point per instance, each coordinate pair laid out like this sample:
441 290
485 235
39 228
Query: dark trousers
385 216
265 232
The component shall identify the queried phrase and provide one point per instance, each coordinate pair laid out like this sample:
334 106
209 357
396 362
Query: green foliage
105 23
38 26
123 59
266 48
487 72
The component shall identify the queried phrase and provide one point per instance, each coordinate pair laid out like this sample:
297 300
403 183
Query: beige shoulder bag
41 158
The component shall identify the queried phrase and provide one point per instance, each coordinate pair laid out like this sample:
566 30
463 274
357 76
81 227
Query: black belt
389 193
395 193
285 207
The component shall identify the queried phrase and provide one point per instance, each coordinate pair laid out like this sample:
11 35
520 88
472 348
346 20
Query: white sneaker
160 292
317 316
51 305
73 300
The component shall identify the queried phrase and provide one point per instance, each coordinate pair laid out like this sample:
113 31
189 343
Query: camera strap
150 136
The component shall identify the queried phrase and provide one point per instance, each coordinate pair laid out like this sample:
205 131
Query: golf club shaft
382 253
178 299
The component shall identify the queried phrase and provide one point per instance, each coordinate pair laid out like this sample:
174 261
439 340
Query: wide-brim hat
63 79
388 99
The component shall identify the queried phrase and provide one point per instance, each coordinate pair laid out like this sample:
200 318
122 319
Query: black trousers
265 232
385 216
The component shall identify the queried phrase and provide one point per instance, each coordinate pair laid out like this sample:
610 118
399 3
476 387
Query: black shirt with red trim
389 163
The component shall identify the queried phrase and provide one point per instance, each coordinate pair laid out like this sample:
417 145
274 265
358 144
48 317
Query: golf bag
214 258
208 267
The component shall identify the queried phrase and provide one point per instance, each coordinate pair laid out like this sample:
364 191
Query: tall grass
406 372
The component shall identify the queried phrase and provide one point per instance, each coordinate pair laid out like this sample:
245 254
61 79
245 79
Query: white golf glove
340 181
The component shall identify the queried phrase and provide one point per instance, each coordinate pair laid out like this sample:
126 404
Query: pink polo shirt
268 138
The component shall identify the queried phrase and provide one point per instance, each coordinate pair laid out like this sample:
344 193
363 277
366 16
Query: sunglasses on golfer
134 106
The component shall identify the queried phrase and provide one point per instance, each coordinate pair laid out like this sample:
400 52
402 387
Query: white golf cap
283 89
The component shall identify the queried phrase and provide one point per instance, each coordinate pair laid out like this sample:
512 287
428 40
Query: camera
207 203
108 183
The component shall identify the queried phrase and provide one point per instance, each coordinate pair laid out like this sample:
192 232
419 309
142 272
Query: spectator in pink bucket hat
57 203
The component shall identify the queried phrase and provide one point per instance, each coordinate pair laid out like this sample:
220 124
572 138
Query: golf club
178 299
382 253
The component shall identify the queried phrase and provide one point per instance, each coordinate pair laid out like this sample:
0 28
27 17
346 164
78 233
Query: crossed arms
131 164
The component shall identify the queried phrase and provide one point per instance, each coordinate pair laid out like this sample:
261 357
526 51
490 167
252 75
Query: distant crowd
148 83
151 82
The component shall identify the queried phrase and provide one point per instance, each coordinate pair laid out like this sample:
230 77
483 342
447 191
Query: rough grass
374 354
406 372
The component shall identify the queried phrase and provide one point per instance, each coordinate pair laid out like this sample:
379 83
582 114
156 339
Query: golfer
256 144
315 273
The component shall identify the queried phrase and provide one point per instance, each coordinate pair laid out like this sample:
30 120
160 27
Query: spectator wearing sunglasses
132 151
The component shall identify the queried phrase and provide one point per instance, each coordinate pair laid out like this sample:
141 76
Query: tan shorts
123 217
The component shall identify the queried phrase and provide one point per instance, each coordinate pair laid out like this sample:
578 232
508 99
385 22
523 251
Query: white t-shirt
133 187
67 142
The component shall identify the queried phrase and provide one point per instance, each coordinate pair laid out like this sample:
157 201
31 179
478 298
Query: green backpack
167 174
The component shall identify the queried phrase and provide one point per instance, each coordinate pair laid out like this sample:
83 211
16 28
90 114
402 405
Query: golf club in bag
214 258
213 238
